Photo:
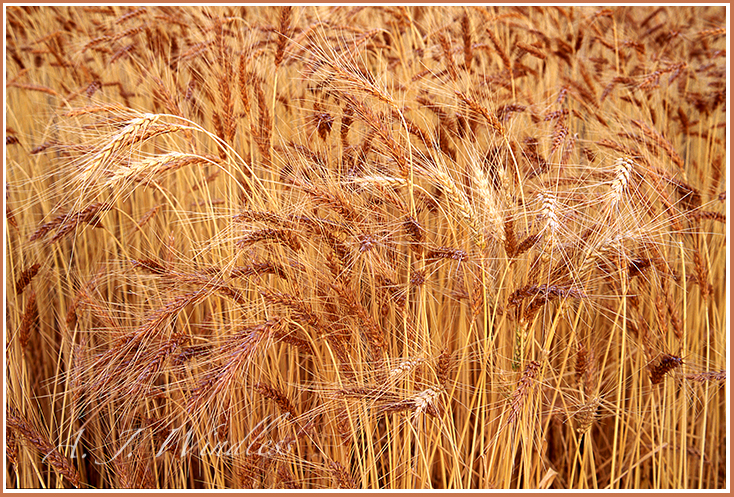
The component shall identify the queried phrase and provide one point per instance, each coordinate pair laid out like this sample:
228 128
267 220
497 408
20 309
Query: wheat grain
66 223
340 475
33 87
623 168
276 395
459 201
523 390
147 170
714 216
404 368
287 237
286 13
666 364
113 108
30 314
446 50
446 253
531 49
586 415
131 14
585 367
56 459
660 140
491 119
286 477
500 51
706 376
560 132
466 36
25 278
549 213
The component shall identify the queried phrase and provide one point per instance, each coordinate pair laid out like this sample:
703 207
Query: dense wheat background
365 247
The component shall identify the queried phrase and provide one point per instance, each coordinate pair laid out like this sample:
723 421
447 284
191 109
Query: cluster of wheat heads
361 247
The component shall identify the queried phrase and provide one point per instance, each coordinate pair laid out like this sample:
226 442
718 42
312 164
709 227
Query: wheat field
365 247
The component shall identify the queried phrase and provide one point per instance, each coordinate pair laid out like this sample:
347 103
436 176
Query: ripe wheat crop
365 247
